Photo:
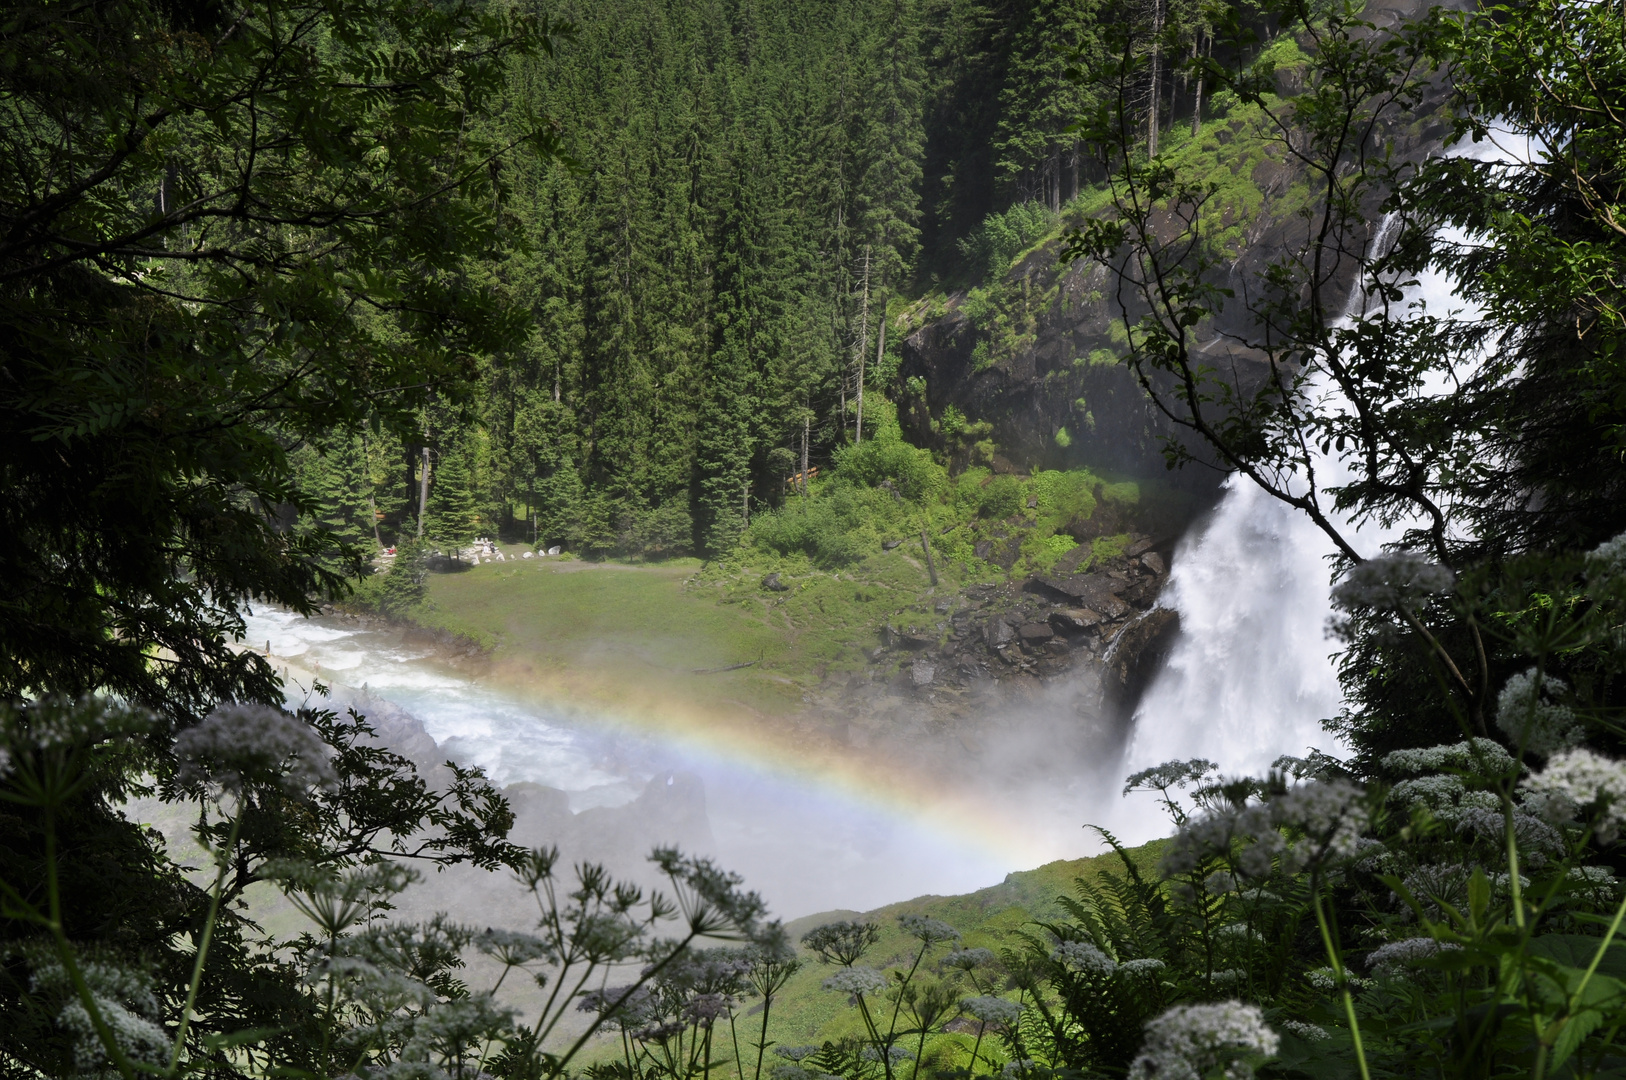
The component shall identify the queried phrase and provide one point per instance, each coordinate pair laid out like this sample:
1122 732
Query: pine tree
723 437
888 189
453 503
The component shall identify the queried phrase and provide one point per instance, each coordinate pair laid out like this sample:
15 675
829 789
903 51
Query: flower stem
224 862
1343 979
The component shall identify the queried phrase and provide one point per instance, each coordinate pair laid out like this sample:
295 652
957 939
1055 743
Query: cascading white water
1252 675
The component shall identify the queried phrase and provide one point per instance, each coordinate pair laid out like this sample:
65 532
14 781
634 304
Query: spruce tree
453 505
723 437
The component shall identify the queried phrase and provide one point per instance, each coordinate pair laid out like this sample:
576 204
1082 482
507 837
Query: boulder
1094 591
888 545
997 633
772 583
922 672
1138 548
1035 632
1074 621
1153 562
528 555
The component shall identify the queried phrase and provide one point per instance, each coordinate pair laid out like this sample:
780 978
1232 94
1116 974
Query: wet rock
773 584
1137 653
922 672
1153 562
1098 592
997 633
1035 632
1074 621
1138 548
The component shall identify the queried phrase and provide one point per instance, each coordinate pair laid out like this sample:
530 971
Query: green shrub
989 249
841 526
1001 497
908 468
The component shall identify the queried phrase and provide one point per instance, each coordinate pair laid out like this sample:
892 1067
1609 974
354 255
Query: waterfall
1252 675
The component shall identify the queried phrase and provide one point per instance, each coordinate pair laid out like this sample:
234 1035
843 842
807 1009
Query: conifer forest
833 539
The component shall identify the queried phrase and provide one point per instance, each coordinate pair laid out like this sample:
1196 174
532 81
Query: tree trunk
931 567
372 503
1155 98
880 351
863 324
423 492
1197 103
807 427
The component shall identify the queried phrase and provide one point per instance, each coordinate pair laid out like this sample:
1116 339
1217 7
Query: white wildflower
1594 883
1170 774
1536 839
1322 978
239 743
1527 716
856 980
1439 793
1145 965
1482 757
1394 957
1237 930
512 948
1219 882
1228 977
930 931
1021 1067
1577 779
894 1054
1332 815
1392 583
966 959
1085 957
1607 560
991 1010
703 1009
123 997
1307 1032
1190 1042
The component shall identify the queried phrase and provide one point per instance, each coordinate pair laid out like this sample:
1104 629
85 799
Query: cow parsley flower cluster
1481 757
512 949
1607 560
1396 582
239 744
1145 965
796 1053
626 1007
1084 957
1190 1042
1575 780
1170 774
124 998
1307 1032
1396 956
1531 720
968 959
929 931
991 1010
856 980
1331 814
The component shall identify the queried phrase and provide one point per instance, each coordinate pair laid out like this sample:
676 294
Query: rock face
1038 352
